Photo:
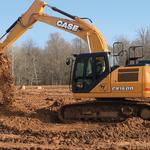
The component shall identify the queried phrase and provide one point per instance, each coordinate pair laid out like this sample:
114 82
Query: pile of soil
31 122
6 81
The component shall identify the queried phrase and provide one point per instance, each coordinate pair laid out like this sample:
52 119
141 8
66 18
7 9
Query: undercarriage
105 110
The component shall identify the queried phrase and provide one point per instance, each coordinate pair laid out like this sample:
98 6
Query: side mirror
68 61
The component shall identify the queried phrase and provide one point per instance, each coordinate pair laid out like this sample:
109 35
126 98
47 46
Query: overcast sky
112 17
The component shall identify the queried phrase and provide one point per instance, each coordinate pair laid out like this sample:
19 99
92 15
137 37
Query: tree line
32 65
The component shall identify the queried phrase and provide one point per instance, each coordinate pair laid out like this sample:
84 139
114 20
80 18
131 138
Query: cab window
100 66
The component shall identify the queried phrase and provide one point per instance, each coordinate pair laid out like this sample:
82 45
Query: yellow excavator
117 92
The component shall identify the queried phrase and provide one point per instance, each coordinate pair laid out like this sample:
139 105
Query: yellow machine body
123 82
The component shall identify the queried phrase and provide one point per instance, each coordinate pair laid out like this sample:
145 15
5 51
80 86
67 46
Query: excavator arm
74 25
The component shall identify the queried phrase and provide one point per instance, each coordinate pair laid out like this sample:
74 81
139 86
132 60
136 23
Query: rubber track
79 111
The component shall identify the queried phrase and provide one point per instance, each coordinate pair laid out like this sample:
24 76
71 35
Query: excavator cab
89 70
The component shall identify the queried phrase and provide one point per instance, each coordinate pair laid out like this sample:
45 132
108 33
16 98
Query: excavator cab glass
89 70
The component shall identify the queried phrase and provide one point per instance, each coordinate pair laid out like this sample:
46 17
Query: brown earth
6 81
31 123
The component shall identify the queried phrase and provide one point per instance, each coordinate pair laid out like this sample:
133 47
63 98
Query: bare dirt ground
31 123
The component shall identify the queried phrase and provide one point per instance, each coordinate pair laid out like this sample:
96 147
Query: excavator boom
76 26
80 28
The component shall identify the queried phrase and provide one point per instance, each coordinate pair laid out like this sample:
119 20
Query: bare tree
79 46
143 38
57 50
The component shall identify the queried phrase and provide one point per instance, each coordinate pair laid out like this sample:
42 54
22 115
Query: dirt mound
32 123
6 81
